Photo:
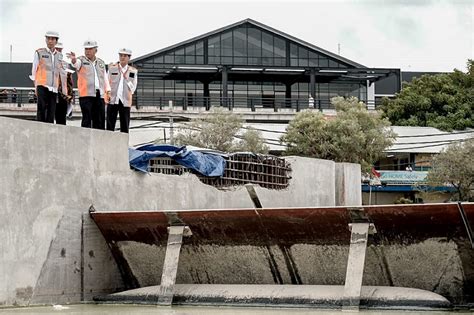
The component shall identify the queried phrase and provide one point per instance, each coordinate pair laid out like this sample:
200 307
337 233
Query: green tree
455 166
219 130
252 141
353 135
444 101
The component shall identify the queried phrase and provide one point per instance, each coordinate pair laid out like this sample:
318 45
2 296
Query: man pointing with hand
93 85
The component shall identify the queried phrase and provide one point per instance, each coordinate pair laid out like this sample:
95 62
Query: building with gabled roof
249 64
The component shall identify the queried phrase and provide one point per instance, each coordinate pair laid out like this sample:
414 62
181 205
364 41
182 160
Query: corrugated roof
425 139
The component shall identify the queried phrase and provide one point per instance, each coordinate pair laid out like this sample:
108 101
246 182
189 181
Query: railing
17 96
25 96
252 103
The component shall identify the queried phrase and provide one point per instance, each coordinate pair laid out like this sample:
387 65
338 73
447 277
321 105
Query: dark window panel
179 52
323 62
293 51
303 86
190 50
303 62
279 47
199 48
302 53
190 85
267 61
313 62
267 45
240 60
169 59
279 61
226 44
240 42
333 64
214 60
179 59
254 61
226 60
214 46
190 59
254 42
199 60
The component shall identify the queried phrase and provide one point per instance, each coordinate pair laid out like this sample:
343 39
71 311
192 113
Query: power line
426 146
425 142
438 134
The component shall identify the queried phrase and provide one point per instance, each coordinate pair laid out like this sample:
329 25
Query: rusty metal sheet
286 226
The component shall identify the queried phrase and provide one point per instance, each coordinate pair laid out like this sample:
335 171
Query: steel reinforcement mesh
241 168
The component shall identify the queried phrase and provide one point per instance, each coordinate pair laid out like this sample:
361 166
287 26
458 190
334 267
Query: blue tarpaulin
205 163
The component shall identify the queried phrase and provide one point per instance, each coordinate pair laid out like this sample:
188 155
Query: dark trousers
93 111
46 104
61 109
123 111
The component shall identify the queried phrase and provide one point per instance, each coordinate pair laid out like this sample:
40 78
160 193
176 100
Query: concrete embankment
51 251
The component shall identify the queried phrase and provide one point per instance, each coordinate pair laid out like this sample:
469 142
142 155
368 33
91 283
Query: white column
370 95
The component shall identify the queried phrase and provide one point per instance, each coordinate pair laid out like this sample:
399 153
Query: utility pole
338 48
11 49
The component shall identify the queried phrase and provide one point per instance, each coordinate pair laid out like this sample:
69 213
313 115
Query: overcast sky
413 35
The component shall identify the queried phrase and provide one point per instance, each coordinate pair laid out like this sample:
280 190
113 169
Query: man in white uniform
47 65
123 82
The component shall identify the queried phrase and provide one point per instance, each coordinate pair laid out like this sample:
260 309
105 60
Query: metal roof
425 139
259 25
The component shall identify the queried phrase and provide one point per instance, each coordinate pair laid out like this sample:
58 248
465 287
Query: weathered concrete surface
51 252
420 246
348 176
284 295
433 265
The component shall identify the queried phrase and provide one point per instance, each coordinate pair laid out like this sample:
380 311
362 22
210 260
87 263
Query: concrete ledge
318 296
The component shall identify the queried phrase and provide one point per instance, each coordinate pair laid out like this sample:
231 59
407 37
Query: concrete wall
51 252
347 177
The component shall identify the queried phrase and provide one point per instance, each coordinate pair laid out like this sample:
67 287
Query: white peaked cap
125 51
51 34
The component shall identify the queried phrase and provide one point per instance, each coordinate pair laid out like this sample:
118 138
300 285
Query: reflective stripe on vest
86 77
47 73
114 80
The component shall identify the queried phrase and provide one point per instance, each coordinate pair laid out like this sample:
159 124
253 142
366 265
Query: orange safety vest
47 73
86 77
114 80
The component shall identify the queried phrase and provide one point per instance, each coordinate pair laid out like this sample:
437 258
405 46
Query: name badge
114 73
44 56
131 75
86 63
